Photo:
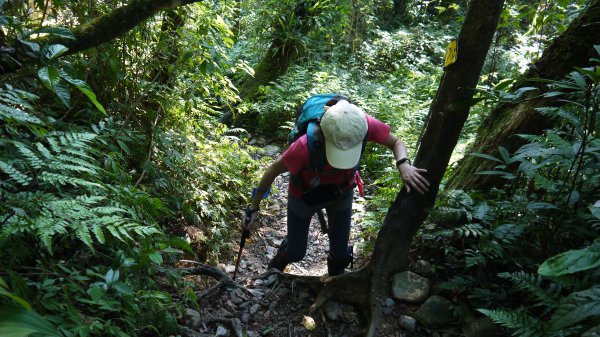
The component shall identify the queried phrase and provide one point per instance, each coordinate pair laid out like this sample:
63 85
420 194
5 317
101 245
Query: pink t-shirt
297 160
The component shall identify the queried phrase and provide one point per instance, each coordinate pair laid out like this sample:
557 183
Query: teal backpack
307 122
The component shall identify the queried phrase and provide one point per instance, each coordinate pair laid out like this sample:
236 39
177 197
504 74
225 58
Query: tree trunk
106 27
572 48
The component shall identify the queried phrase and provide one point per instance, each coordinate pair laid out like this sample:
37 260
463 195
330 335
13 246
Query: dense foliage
108 157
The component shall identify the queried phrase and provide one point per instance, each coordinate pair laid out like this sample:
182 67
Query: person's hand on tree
413 179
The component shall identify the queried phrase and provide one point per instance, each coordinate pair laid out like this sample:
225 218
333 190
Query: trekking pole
245 235
322 221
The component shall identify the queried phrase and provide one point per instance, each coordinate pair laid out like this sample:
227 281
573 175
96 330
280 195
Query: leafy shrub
540 232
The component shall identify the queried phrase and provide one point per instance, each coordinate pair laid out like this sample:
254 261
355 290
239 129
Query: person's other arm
275 169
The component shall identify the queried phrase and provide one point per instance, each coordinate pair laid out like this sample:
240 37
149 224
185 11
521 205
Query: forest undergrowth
114 167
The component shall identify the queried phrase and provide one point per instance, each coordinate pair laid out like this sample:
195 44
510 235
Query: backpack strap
316 145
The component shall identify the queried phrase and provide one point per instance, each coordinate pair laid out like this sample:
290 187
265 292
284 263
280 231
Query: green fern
522 324
533 284
15 174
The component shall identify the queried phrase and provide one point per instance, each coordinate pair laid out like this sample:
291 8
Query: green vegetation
108 154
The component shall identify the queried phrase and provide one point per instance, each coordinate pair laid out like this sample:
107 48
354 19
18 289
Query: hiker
345 129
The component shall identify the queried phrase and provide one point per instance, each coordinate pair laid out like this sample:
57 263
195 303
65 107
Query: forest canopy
133 132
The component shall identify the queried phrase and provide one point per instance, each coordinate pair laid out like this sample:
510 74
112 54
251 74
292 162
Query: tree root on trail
224 281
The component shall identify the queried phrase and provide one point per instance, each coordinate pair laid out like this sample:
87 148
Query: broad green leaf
576 307
21 322
49 77
111 277
541 205
56 31
595 210
504 84
4 292
84 88
122 288
580 80
156 258
486 156
124 146
54 51
570 262
504 154
62 91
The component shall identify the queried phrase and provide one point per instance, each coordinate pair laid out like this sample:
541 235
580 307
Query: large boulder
435 312
410 287
481 327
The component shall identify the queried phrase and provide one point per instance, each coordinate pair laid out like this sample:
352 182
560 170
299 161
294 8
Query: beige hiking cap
344 126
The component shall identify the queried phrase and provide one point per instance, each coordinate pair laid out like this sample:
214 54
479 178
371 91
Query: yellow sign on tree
451 53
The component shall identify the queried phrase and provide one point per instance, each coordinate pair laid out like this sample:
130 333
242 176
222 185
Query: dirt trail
269 306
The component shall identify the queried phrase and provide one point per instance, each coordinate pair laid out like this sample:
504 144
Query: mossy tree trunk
368 287
574 47
105 28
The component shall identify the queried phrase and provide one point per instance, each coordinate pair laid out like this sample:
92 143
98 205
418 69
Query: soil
267 305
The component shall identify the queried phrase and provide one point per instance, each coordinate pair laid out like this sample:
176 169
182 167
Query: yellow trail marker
451 53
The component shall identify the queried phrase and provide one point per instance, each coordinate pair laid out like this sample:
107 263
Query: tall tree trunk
446 120
573 48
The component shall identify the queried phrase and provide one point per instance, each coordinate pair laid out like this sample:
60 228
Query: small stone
254 308
192 318
222 331
410 287
389 302
229 268
333 310
246 317
271 280
408 323
271 150
235 299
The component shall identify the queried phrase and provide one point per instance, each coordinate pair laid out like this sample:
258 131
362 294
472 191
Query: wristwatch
402 161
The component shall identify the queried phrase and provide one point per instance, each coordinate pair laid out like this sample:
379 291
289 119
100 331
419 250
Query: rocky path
264 304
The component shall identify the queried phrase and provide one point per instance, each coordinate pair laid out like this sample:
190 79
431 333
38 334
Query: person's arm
275 169
410 175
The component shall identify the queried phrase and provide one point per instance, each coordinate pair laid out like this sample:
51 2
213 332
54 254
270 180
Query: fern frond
99 234
473 230
532 284
79 162
522 324
61 179
15 174
54 145
82 231
31 157
508 233
10 113
44 151
76 139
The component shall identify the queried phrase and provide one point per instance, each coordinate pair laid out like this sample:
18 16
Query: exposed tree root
224 281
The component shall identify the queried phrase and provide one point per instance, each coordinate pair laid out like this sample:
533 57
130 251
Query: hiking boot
337 266
280 260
